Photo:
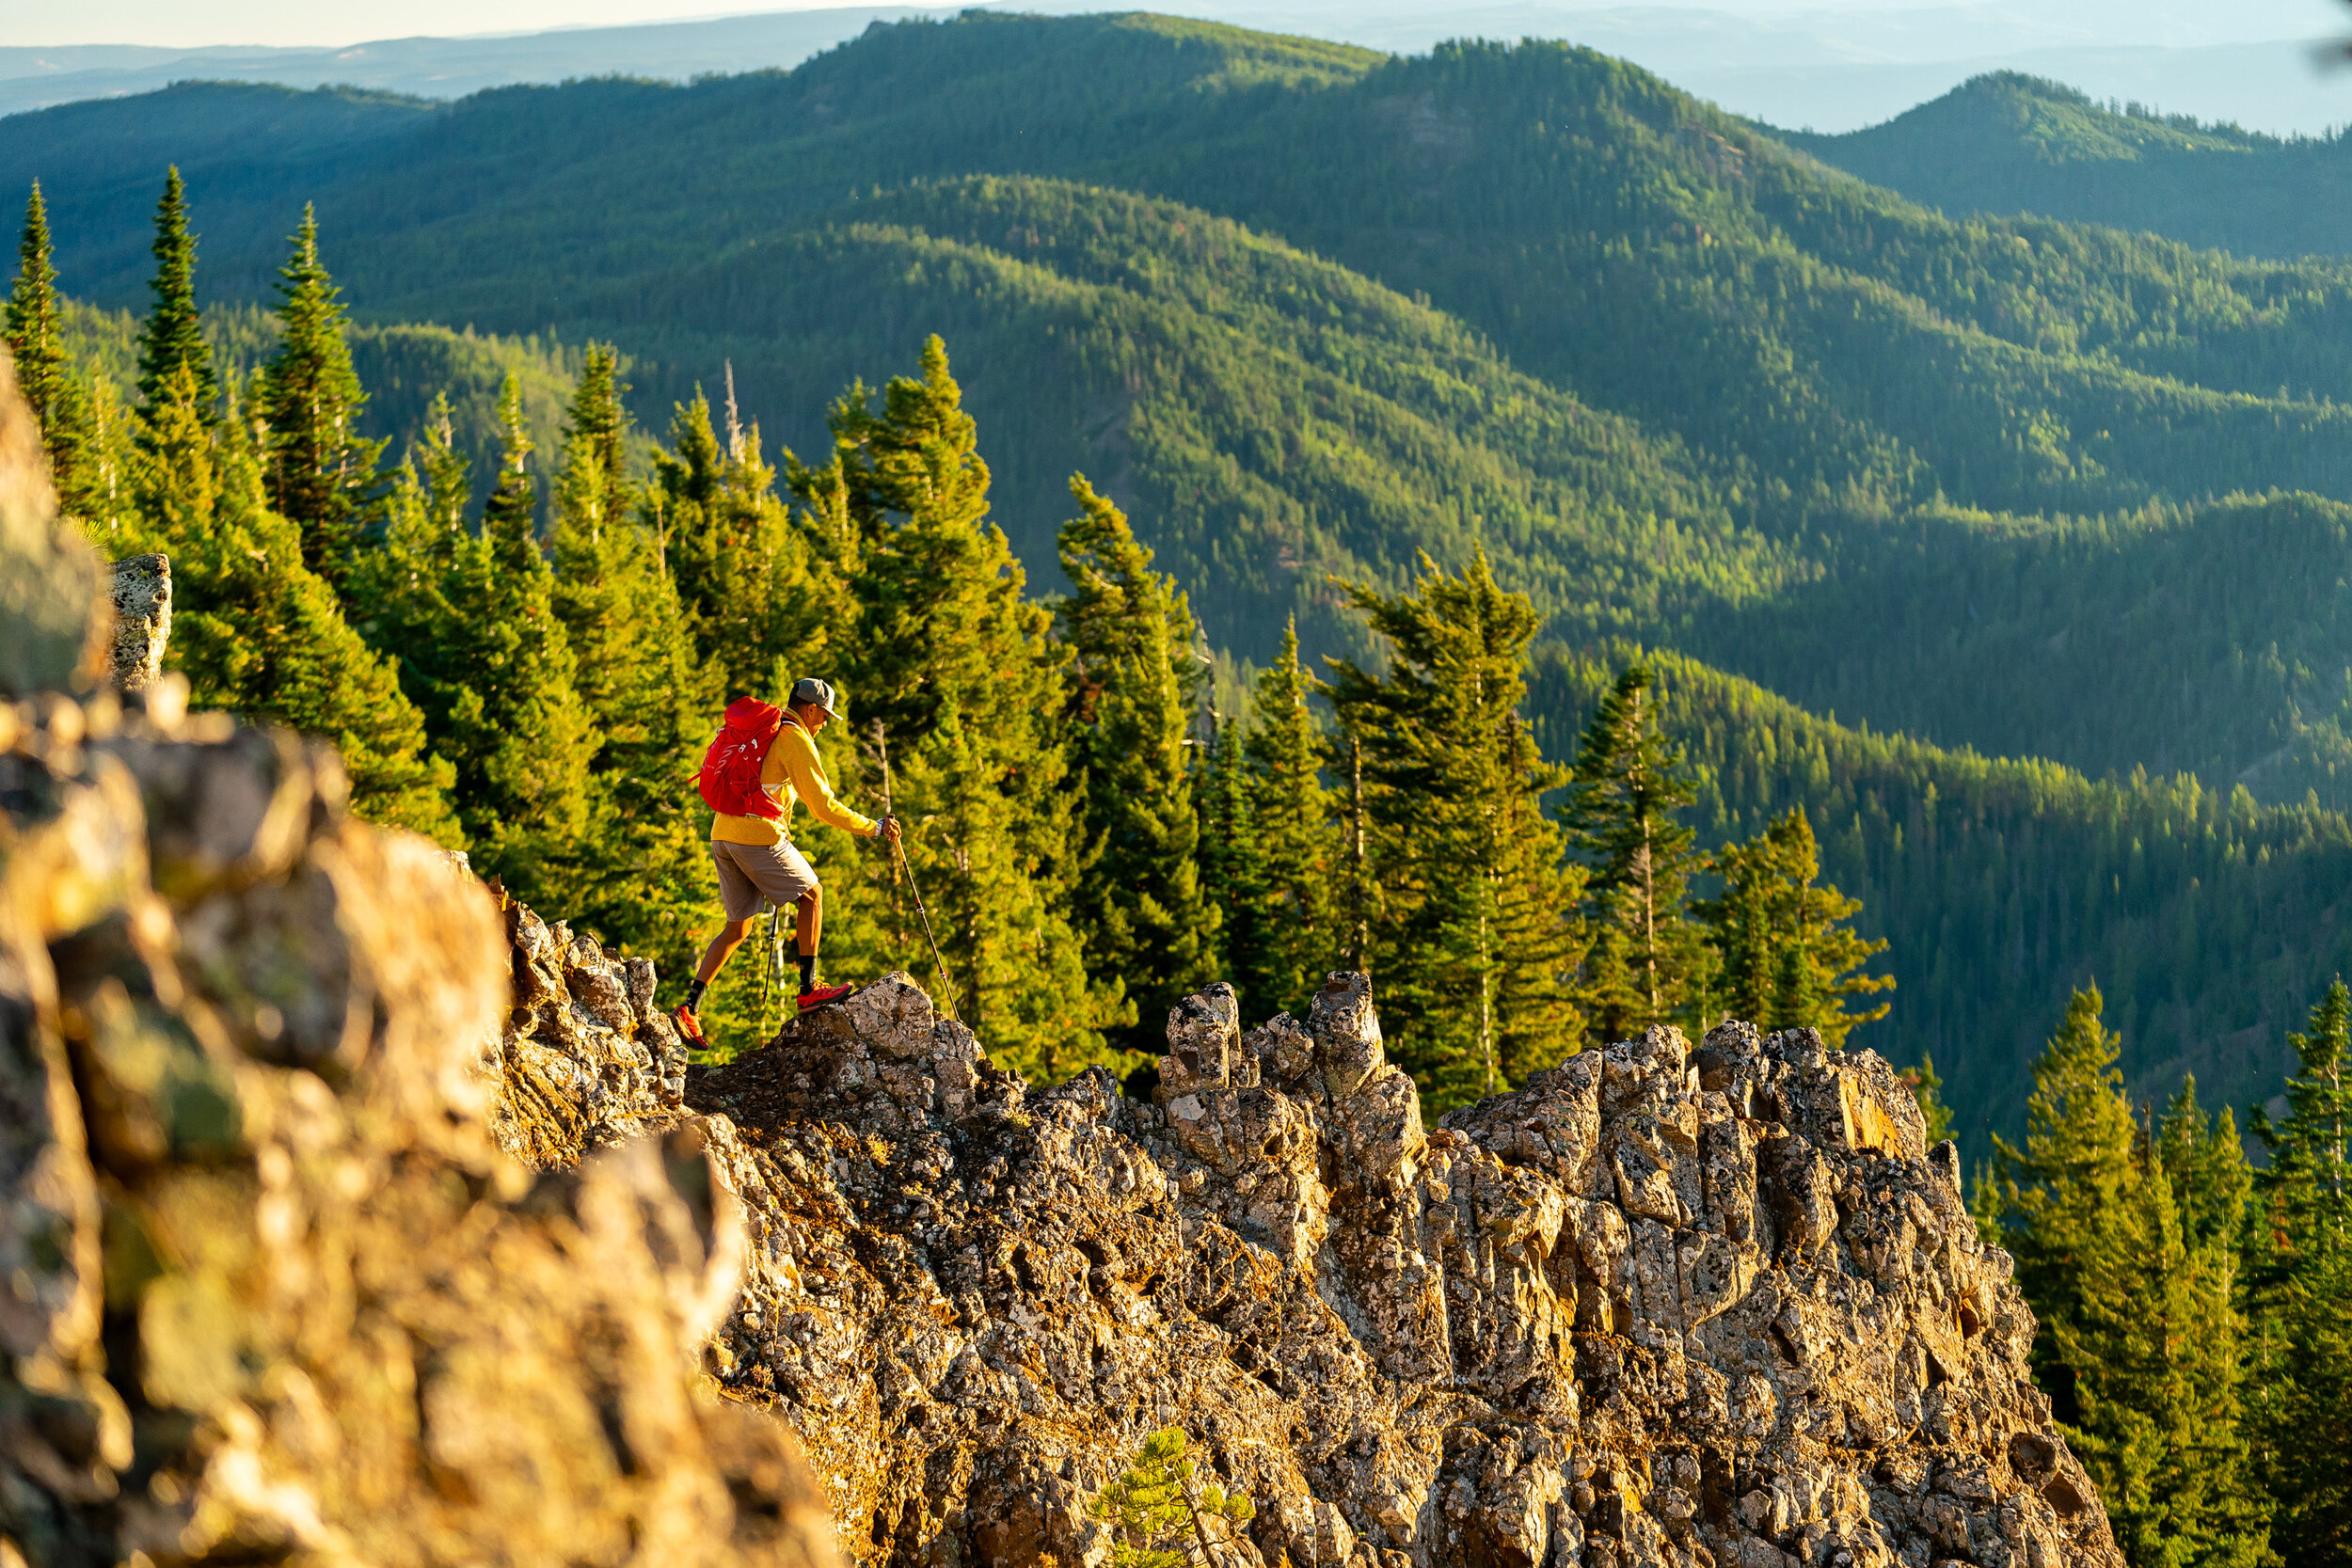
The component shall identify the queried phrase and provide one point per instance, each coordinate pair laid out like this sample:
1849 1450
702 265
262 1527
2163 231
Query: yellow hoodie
790 772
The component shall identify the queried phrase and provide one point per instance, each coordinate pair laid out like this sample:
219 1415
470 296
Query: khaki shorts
748 872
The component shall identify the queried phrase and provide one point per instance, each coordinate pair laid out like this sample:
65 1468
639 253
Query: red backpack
730 776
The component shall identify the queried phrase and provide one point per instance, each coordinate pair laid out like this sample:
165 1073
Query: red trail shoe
690 1026
822 994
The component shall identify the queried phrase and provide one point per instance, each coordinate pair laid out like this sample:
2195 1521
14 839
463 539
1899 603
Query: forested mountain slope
1725 396
2010 143
2209 922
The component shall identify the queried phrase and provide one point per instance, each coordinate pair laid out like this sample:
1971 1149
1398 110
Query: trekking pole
882 742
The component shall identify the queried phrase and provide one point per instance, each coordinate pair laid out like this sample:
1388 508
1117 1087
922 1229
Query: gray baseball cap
810 691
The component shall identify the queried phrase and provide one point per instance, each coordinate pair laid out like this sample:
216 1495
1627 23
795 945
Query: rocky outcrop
142 622
1662 1307
269 1291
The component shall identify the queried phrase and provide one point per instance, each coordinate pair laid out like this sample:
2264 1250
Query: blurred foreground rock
269 1291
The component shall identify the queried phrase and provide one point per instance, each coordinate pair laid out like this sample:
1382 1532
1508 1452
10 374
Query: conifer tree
2141 1355
642 877
2073 1170
61 403
258 633
1231 865
519 735
1646 962
400 590
2300 1265
34 337
759 602
322 471
2152 1346
946 654
1296 840
1785 957
173 335
1478 947
1927 1087
1137 899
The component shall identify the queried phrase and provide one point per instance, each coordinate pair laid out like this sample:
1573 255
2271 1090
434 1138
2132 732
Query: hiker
761 763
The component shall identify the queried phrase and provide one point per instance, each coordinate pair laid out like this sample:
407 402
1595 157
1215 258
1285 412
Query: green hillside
2209 922
2039 489
1794 395
2010 143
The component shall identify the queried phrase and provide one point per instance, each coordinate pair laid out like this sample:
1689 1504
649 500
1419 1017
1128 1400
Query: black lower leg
809 971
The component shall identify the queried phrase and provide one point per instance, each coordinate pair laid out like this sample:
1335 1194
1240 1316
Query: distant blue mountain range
1798 63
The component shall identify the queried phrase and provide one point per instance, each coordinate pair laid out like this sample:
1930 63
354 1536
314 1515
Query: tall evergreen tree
522 738
1646 962
2073 1170
948 655
761 602
1927 1087
1137 901
1233 877
35 336
1298 841
1785 957
1478 948
60 404
322 471
642 874
2143 1351
173 335
258 633
2300 1263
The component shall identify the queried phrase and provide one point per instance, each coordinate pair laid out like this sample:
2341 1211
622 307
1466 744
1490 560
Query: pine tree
2205 1162
34 337
173 336
1478 947
2153 1345
1298 841
2073 1170
59 402
259 634
322 471
1137 901
1927 1087
1785 956
641 879
1160 1516
518 734
1646 962
2142 1349
2299 1254
1232 873
761 601
945 653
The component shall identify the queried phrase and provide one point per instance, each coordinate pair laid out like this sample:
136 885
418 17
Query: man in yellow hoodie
754 853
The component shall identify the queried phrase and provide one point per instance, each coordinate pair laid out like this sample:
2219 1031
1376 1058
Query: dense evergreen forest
2010 143
1418 654
2000 486
1681 382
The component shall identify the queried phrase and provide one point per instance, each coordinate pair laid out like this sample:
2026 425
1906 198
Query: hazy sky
181 23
